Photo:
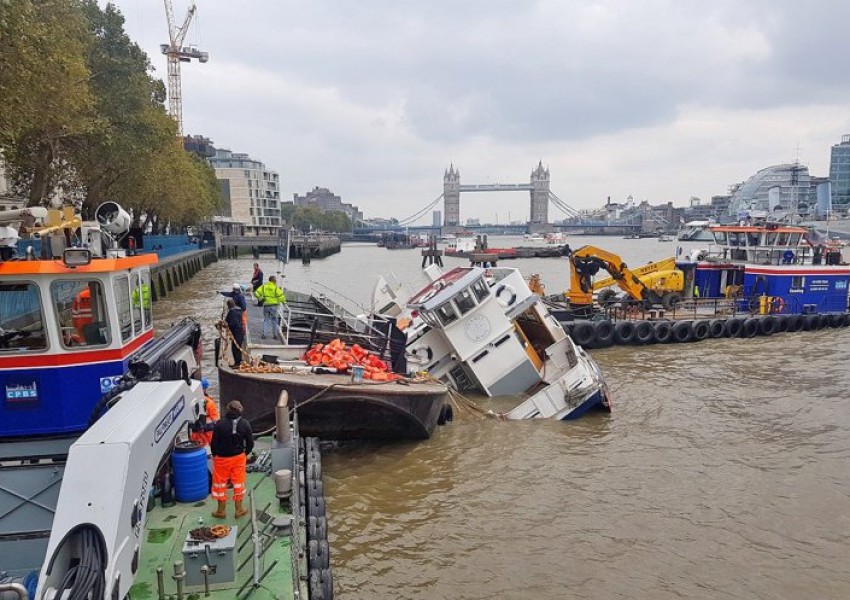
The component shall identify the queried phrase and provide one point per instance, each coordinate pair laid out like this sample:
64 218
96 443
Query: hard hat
205 383
236 286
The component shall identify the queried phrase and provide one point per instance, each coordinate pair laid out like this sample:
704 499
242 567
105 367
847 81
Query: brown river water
723 471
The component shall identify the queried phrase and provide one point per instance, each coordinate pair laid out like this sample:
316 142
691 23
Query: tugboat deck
166 530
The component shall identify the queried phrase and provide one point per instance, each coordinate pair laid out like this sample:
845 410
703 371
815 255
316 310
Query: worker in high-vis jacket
203 434
232 442
270 296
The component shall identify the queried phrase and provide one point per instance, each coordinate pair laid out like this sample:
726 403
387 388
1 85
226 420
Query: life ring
418 350
506 295
777 305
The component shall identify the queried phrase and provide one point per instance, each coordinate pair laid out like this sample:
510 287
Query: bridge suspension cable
419 214
564 207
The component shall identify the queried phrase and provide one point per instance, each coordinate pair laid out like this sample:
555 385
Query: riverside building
250 192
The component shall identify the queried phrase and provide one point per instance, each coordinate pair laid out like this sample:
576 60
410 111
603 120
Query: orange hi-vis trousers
230 468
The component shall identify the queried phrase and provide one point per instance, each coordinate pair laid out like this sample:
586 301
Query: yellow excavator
656 283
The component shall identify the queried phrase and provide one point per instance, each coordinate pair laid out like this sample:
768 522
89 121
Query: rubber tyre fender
317 528
317 590
836 320
583 333
316 506
750 328
782 323
846 319
603 334
768 325
810 323
314 470
318 554
733 327
663 332
328 583
683 332
716 328
644 332
702 330
315 488
795 323
823 321
624 332
446 414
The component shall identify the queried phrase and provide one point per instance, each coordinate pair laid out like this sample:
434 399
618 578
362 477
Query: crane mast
176 53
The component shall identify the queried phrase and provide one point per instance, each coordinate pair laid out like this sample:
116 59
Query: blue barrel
191 479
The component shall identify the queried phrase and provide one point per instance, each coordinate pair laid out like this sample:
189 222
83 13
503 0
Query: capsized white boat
484 330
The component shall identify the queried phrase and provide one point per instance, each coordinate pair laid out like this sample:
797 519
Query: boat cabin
67 330
482 328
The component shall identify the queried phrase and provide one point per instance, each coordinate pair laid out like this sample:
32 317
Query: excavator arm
587 262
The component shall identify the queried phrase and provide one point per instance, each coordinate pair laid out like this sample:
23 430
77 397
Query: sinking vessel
483 330
97 499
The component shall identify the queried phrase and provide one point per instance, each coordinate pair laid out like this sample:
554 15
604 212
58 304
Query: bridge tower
451 197
539 213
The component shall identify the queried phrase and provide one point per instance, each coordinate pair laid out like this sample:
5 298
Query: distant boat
533 237
695 231
665 238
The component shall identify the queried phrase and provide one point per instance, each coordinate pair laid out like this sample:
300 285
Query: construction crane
177 53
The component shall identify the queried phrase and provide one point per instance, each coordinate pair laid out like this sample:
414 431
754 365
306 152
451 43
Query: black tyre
683 332
733 327
644 332
750 328
315 487
317 590
624 332
318 554
795 323
603 334
702 330
782 323
316 506
768 325
823 321
671 299
836 320
663 332
317 528
810 323
717 328
846 320
314 470
583 333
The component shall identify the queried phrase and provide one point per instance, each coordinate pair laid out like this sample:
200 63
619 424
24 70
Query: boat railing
763 255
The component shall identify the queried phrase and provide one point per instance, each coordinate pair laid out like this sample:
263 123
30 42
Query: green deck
166 530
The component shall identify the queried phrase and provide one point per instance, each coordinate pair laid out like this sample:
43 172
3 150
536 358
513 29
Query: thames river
723 471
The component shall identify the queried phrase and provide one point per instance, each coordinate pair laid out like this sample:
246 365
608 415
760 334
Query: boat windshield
21 319
481 290
464 301
446 313
81 312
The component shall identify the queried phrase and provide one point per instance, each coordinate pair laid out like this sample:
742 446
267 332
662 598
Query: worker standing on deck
257 277
270 296
204 436
237 330
241 302
232 442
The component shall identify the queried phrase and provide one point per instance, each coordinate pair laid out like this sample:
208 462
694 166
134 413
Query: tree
44 94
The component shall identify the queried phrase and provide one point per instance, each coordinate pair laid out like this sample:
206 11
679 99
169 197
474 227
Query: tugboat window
80 313
481 290
464 301
146 299
795 239
446 313
136 303
720 237
21 319
121 287
782 240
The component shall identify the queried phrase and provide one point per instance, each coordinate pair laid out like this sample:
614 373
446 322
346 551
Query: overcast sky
660 99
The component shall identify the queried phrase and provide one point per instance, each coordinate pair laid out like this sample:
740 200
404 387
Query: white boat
533 237
696 231
484 330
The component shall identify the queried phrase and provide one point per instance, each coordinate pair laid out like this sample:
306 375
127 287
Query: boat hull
331 408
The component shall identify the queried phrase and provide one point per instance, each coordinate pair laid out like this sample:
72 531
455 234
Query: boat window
798 282
794 239
446 313
81 312
121 288
21 319
770 238
752 239
782 239
720 237
736 238
146 299
465 302
481 290
135 305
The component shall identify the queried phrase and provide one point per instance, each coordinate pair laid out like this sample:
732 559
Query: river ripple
722 472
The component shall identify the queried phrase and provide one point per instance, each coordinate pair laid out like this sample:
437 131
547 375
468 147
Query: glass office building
839 172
